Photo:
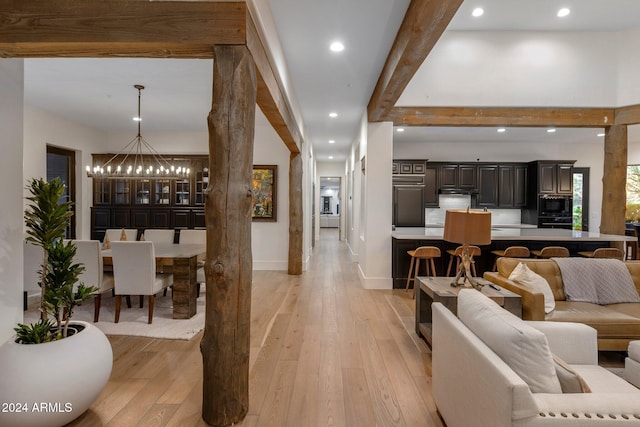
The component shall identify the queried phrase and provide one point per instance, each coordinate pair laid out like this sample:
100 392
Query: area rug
133 321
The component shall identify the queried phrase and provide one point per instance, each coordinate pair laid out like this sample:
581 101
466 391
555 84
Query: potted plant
53 369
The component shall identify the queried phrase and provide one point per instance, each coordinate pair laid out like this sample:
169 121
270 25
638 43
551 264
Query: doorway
329 204
581 199
61 164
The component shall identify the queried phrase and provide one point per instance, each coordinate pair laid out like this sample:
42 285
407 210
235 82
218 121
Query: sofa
486 363
617 324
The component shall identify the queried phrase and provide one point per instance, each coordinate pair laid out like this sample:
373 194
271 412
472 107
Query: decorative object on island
265 185
53 371
138 160
467 228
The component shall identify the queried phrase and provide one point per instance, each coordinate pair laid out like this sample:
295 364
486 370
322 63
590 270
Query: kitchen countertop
506 233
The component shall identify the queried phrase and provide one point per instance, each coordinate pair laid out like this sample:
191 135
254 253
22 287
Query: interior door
61 164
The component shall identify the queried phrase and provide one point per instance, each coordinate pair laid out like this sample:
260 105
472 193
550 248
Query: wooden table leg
184 287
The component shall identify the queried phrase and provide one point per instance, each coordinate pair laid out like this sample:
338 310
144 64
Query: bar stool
603 253
457 253
551 252
427 253
511 252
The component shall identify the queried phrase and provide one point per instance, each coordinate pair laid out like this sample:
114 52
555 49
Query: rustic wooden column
295 214
225 345
614 181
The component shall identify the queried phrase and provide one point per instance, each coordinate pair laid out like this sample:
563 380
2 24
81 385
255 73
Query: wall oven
555 206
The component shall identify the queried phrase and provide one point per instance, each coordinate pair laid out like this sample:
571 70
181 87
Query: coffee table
439 289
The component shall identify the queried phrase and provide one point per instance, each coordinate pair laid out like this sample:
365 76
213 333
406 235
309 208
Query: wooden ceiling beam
423 24
502 116
118 28
629 115
270 97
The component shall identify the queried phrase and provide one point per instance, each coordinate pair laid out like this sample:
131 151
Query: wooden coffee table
439 289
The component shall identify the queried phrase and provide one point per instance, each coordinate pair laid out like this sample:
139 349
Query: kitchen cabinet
512 186
431 187
454 176
553 177
414 167
488 186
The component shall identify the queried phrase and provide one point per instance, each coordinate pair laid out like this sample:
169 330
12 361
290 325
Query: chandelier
137 160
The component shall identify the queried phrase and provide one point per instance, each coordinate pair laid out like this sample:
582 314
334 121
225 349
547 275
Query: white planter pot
51 384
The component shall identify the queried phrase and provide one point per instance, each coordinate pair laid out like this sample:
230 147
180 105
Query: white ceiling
100 93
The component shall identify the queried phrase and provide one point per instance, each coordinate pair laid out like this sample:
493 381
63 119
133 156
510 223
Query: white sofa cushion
522 347
524 276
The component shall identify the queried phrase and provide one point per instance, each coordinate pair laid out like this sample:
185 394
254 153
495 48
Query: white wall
519 68
628 90
11 165
374 258
43 128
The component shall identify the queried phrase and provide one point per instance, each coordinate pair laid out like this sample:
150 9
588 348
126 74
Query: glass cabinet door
182 192
101 191
143 192
162 192
202 181
121 192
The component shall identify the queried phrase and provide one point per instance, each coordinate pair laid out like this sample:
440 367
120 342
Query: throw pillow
123 236
523 275
519 345
569 379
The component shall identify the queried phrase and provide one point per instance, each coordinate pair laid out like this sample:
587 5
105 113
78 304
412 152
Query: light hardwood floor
324 352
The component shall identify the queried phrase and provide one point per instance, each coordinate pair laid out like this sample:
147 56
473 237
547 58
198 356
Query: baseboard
375 282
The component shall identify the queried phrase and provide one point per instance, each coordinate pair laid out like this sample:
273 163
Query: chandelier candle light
467 228
137 160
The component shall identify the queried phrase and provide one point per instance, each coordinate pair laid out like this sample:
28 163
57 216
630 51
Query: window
633 193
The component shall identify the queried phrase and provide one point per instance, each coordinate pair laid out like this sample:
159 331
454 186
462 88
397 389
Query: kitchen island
407 238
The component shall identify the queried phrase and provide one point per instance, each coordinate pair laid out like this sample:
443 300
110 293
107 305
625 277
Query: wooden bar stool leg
415 275
450 264
433 267
406 288
473 268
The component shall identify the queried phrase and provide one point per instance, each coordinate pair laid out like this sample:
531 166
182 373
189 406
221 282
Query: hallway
324 352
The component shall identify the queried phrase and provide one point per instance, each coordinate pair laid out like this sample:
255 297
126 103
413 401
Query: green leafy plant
46 218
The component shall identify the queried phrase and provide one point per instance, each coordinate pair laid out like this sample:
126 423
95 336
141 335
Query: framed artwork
265 183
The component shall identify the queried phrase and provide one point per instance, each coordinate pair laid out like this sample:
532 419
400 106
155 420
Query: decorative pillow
570 381
123 236
519 345
523 275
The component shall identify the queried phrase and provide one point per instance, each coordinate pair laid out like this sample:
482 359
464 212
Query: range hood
463 191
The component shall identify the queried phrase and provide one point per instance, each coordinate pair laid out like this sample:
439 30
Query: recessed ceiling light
551 130
400 130
478 11
500 130
601 134
563 12
137 119
332 141
336 46
330 157
333 114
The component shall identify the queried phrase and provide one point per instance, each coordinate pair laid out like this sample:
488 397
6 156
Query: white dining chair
33 256
88 253
115 234
134 270
157 235
197 237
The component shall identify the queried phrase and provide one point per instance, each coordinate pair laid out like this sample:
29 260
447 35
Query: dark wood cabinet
520 186
454 176
512 186
150 203
488 186
431 199
414 167
554 177
408 205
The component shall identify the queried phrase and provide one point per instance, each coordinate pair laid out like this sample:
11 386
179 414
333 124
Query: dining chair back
134 270
193 236
157 235
115 234
88 253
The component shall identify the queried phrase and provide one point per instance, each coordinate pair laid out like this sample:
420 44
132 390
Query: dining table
185 259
